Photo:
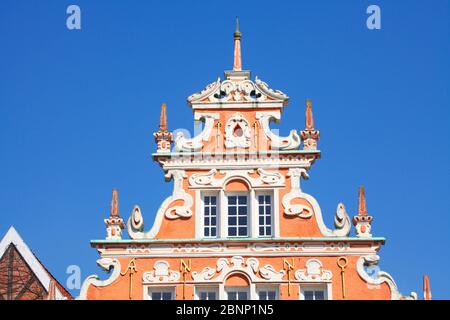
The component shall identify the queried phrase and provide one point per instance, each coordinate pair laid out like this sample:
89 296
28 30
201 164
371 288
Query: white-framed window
238 209
210 215
237 293
207 293
158 293
267 293
265 217
313 292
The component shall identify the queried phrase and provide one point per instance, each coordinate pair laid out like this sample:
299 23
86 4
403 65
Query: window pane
231 200
309 295
243 231
265 215
242 200
261 220
232 231
232 221
167 296
242 211
242 221
231 211
232 295
242 295
209 213
319 295
156 295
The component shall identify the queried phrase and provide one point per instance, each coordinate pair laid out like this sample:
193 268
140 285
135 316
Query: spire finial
362 210
309 115
114 224
237 63
114 203
426 288
163 118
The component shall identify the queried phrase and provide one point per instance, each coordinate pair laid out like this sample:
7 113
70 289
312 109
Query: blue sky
78 109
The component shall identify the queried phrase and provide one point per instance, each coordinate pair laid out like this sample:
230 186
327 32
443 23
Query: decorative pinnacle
426 288
362 209
309 115
237 63
163 118
114 203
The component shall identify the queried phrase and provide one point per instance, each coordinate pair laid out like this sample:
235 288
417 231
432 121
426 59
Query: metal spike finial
237 62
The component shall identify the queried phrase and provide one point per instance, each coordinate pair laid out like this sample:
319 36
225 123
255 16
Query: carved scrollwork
250 267
202 179
341 222
237 91
135 223
378 277
161 273
270 177
269 273
291 142
290 209
110 265
183 211
196 143
206 274
314 272
237 132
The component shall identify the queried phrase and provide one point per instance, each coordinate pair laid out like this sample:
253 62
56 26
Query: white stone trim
208 181
313 272
342 220
161 273
380 277
327 287
233 141
230 93
196 143
206 288
237 264
135 223
291 142
106 264
276 213
222 248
